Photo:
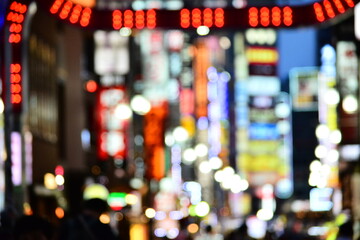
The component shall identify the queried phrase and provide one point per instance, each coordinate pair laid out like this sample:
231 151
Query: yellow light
104 218
27 209
49 181
150 213
131 199
96 191
138 232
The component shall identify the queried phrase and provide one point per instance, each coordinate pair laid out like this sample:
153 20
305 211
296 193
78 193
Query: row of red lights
327 8
270 16
140 19
15 81
16 18
196 17
74 12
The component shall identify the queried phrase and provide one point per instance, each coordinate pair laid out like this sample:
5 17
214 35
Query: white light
225 43
332 97
283 127
315 166
202 209
265 214
172 233
160 215
320 151
215 163
350 104
201 150
125 32
150 213
335 137
229 171
219 176
140 105
180 134
2 107
282 110
205 167
203 30
189 155
333 156
322 131
59 179
123 111
169 139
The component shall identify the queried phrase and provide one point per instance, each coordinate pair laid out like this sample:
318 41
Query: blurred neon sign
250 17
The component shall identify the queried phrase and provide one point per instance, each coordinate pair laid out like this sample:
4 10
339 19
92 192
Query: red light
264 16
319 12
276 16
16 98
66 10
14 38
13 6
128 19
219 17
85 18
208 17
151 18
59 170
117 19
288 17
185 18
139 19
253 16
75 15
15 88
339 6
15 68
350 3
56 6
328 8
196 17
15 78
91 86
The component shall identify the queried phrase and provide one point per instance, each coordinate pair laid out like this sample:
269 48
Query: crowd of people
86 225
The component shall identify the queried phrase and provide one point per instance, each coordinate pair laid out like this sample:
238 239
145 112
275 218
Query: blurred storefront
205 119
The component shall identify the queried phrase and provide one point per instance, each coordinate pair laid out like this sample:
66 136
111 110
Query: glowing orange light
117 19
128 19
339 6
265 16
208 17
56 6
288 17
85 18
185 18
253 16
329 9
196 17
219 17
91 86
350 3
276 16
15 78
15 88
75 15
59 212
140 19
66 10
16 98
319 12
151 18
15 68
